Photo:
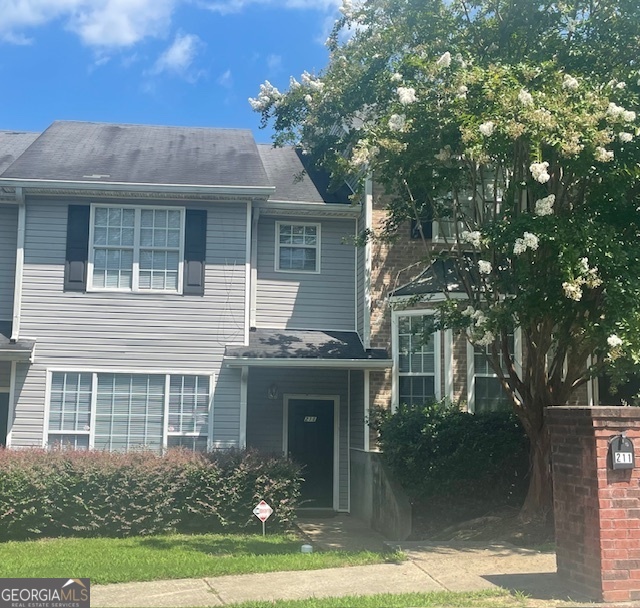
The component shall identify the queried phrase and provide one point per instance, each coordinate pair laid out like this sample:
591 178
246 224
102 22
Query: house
173 286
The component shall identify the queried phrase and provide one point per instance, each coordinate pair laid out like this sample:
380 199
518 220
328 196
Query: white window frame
317 247
135 270
94 394
437 349
471 372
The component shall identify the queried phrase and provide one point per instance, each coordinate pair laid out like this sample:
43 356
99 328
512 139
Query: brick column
597 509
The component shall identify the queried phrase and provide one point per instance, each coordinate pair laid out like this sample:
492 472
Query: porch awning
308 348
22 350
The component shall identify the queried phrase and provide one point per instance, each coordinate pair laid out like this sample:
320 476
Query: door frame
336 434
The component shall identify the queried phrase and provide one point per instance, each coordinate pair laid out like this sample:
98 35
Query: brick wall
597 509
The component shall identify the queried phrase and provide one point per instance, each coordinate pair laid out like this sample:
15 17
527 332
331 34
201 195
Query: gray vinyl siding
8 243
265 424
300 300
5 374
356 414
126 331
226 409
28 421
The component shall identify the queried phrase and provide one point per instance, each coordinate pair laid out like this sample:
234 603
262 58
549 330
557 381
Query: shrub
450 459
64 492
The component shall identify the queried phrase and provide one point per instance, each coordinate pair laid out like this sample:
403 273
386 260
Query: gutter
285 206
138 187
313 363
17 287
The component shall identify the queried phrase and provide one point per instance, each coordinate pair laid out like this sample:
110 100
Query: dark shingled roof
13 144
102 153
297 344
13 351
296 179
438 277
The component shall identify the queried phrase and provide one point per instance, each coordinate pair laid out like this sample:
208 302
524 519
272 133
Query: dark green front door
4 417
310 437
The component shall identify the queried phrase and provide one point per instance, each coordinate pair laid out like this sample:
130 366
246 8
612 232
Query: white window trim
318 248
471 374
135 271
437 347
94 394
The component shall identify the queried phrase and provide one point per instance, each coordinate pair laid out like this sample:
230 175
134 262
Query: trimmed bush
74 493
465 463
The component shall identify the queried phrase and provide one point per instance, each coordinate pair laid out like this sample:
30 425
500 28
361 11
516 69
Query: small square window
297 247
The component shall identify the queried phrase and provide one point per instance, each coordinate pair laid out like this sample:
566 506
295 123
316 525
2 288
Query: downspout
17 288
254 268
368 223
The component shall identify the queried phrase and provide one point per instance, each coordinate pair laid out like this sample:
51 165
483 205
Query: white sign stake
263 511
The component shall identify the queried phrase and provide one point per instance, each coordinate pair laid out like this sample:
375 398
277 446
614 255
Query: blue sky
170 62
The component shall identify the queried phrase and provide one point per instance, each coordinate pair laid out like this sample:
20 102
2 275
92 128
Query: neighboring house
165 286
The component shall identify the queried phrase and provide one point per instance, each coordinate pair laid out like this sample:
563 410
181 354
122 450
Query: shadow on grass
226 545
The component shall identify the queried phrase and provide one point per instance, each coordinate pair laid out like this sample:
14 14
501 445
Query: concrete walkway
430 567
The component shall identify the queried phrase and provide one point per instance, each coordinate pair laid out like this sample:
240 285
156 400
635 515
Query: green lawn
113 560
497 598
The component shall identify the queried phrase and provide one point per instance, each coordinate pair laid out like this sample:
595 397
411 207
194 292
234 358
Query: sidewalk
430 567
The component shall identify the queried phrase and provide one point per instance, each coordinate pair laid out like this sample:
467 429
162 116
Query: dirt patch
502 525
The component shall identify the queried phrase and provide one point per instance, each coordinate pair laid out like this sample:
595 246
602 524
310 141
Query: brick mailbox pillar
597 508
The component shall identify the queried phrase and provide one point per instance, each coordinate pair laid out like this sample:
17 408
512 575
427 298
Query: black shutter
195 251
75 268
426 223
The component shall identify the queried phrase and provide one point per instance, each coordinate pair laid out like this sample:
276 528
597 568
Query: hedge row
75 493
450 459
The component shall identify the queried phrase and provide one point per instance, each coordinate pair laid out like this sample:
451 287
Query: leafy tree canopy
513 123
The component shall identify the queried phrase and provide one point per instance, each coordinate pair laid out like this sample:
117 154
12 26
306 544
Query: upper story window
297 247
136 248
416 359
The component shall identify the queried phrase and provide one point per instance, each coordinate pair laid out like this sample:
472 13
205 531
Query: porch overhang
306 349
20 351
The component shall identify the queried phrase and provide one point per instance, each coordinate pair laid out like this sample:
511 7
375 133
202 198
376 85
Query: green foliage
443 456
73 493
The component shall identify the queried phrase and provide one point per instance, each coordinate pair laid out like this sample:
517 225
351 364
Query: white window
136 248
127 411
297 247
485 392
416 351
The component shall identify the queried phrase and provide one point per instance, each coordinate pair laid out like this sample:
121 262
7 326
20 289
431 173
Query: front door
310 437
4 417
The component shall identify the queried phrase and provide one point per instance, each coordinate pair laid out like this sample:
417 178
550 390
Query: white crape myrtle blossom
625 137
462 91
312 82
570 83
407 95
603 155
486 128
628 116
472 237
525 98
486 339
347 8
621 85
584 265
397 122
268 94
396 77
293 83
444 155
572 290
362 154
614 341
484 267
468 311
479 317
444 61
544 206
308 98
539 172
528 241
616 111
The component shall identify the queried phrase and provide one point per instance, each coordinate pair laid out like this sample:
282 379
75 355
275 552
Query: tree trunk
538 504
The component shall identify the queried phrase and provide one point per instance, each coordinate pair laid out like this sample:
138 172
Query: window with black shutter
77 252
195 251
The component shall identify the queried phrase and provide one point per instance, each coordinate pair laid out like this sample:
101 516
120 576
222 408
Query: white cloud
100 23
225 80
235 6
178 58
274 63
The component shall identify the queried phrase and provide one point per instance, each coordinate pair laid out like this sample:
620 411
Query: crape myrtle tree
512 123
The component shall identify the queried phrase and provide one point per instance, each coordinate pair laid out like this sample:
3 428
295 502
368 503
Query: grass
498 598
147 558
